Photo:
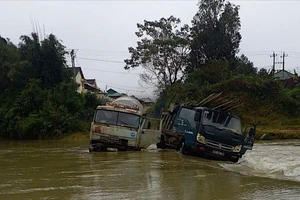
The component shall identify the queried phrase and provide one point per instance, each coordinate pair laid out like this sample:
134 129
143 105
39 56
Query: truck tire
161 144
235 160
183 149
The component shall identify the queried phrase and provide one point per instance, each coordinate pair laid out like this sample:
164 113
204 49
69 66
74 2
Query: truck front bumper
207 151
104 144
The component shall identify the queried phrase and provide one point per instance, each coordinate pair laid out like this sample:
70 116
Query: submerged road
66 170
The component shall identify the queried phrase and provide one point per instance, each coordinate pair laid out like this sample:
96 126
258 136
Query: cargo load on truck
207 129
122 125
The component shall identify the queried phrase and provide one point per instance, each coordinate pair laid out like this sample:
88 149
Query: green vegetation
190 63
38 98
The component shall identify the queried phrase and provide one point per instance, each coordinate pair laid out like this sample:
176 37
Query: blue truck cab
206 132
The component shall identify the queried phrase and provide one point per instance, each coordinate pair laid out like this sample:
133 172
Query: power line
100 60
104 50
295 56
127 89
112 71
110 53
100 51
113 84
94 59
103 54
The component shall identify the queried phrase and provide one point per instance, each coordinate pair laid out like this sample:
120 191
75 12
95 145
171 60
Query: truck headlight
237 149
201 139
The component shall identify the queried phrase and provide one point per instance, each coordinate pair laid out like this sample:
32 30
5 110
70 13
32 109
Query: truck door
151 132
249 139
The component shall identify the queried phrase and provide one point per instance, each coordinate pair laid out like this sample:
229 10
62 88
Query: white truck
122 125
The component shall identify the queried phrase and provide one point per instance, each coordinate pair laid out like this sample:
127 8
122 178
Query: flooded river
66 170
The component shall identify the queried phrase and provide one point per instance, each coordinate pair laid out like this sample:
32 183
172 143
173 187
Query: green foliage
290 103
169 54
215 33
265 100
91 103
162 51
47 58
211 73
188 64
38 99
242 66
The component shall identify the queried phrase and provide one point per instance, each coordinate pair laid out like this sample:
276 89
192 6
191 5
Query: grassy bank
282 133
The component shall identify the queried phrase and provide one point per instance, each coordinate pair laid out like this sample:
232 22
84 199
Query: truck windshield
222 121
117 118
188 115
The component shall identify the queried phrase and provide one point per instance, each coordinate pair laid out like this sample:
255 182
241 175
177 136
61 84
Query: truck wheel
122 149
235 160
183 148
158 145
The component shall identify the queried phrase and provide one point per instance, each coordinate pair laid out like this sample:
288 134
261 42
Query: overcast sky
104 30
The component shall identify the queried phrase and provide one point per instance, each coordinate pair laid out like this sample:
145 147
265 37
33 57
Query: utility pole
73 55
273 56
283 61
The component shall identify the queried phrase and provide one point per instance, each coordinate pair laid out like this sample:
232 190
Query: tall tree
215 32
162 51
8 57
47 58
37 97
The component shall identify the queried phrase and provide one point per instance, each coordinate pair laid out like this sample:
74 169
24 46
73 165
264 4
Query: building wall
80 81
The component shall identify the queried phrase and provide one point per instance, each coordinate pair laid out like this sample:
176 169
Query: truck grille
111 139
117 140
218 145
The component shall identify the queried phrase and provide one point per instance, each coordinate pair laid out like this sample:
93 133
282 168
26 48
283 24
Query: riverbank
282 133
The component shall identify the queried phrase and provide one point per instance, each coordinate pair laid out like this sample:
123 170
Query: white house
85 85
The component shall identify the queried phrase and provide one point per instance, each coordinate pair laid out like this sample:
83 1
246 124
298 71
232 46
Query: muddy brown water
66 170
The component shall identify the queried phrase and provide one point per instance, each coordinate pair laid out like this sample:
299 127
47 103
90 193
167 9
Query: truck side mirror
252 132
197 117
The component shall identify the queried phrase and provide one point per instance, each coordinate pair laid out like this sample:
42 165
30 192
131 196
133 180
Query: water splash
275 160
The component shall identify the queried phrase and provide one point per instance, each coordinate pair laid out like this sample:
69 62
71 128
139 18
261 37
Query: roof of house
283 74
77 69
91 81
113 93
90 87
